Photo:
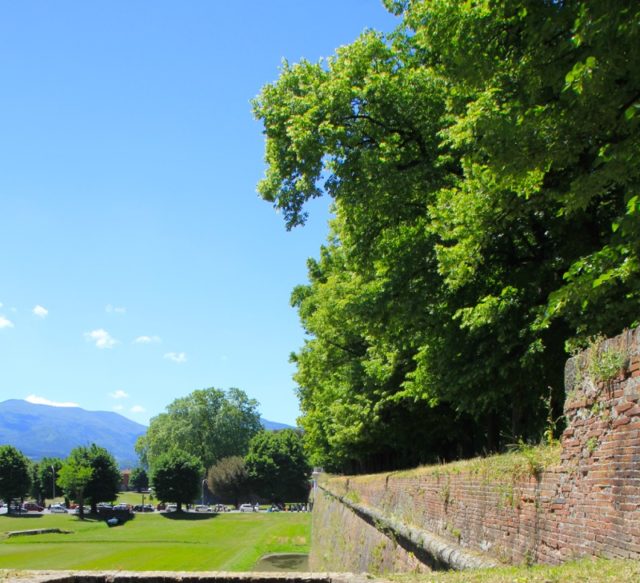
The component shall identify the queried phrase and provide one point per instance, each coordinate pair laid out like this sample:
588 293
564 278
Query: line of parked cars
105 506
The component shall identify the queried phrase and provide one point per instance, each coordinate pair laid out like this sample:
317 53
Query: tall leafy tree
74 475
105 478
278 466
100 484
139 479
48 470
483 166
176 477
210 424
228 480
15 474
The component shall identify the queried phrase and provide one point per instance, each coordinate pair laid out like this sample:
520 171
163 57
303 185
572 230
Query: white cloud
42 401
119 394
101 337
40 311
5 323
178 357
137 409
147 339
114 309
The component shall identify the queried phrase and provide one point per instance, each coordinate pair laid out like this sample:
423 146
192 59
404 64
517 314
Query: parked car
171 508
202 508
247 508
32 507
58 509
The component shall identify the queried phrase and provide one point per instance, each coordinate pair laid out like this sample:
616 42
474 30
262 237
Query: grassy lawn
225 542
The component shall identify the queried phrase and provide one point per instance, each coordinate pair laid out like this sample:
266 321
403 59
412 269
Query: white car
202 508
58 509
247 508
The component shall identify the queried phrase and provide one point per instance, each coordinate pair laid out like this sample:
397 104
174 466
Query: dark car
32 507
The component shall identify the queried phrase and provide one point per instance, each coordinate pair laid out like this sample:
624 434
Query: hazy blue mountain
44 431
274 425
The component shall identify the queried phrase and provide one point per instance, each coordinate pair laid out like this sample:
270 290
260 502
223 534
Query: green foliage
210 424
605 361
74 475
278 466
48 469
484 163
139 480
176 477
105 476
15 474
90 474
36 490
228 480
533 455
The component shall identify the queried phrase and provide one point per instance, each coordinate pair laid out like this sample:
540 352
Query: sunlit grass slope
229 542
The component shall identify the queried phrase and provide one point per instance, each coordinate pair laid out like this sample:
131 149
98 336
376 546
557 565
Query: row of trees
209 428
88 475
216 436
275 469
484 166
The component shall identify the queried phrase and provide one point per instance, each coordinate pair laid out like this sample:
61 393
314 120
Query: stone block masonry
544 505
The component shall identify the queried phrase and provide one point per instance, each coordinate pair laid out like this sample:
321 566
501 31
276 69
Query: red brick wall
587 503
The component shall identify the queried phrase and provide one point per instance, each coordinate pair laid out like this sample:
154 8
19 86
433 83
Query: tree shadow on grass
23 515
189 515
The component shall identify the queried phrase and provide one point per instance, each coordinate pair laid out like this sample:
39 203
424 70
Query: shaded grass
229 542
584 571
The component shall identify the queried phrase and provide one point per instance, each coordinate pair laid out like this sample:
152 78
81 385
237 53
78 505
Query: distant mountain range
44 431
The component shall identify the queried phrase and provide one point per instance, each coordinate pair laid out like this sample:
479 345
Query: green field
191 542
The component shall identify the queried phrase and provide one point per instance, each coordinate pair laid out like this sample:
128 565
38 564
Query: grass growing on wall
225 542
584 571
522 461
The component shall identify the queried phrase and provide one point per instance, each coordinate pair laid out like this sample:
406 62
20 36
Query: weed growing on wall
599 362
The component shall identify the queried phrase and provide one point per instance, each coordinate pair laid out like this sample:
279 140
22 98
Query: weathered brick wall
587 503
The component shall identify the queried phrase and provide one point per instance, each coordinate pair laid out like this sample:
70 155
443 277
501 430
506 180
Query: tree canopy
209 424
105 477
15 474
74 475
48 469
176 477
139 479
228 480
278 466
483 166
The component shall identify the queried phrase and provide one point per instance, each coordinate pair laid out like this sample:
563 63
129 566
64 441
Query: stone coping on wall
20 576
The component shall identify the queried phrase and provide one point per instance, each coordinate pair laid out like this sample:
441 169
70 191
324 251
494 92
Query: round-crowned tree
176 477
15 474
229 480
139 479
278 467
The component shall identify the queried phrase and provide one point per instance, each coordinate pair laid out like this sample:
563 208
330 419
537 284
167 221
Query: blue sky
137 262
